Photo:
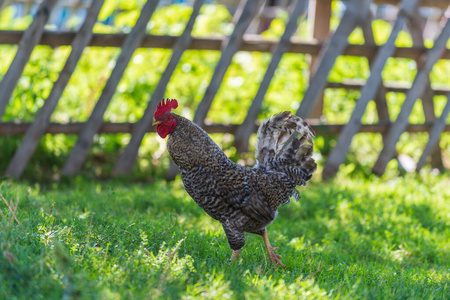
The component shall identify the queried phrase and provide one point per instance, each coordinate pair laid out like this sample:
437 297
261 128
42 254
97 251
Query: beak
156 123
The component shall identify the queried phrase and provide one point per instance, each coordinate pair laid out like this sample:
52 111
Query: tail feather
285 136
271 136
285 144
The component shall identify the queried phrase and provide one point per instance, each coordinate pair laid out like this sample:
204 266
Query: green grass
347 238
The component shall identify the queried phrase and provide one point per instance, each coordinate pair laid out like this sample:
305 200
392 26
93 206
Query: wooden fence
324 50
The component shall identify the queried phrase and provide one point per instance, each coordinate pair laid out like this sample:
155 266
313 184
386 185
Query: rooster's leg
235 254
275 258
235 238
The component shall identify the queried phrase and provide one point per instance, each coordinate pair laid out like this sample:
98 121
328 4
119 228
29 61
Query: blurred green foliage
188 85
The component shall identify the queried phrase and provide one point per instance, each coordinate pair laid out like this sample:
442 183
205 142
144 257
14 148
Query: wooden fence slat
229 49
29 40
380 96
356 10
18 129
381 105
128 157
339 152
14 128
442 4
435 133
65 3
415 92
132 41
416 25
319 16
430 117
428 104
390 87
34 133
250 43
245 129
432 3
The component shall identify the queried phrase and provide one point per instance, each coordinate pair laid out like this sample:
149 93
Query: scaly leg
235 254
274 258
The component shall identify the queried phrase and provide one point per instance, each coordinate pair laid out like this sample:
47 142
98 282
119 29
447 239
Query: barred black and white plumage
285 144
242 199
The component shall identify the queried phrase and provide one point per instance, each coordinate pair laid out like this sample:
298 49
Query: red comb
165 107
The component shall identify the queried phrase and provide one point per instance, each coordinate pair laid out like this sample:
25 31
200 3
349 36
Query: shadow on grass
339 239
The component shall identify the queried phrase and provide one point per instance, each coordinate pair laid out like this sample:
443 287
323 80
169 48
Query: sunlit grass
347 238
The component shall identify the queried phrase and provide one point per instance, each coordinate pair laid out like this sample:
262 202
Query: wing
240 187
220 193
231 187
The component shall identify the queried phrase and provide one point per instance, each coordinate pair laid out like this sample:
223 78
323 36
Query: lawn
345 239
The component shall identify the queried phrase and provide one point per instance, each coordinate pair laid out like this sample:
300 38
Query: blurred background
193 73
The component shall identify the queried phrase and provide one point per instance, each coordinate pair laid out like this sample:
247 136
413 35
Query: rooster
242 199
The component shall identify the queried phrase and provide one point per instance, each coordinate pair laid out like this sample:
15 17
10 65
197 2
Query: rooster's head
164 120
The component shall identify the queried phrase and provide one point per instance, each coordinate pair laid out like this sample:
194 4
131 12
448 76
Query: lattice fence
324 50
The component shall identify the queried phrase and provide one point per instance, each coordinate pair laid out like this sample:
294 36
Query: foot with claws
274 258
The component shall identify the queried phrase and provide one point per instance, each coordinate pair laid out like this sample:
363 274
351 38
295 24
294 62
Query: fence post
320 15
